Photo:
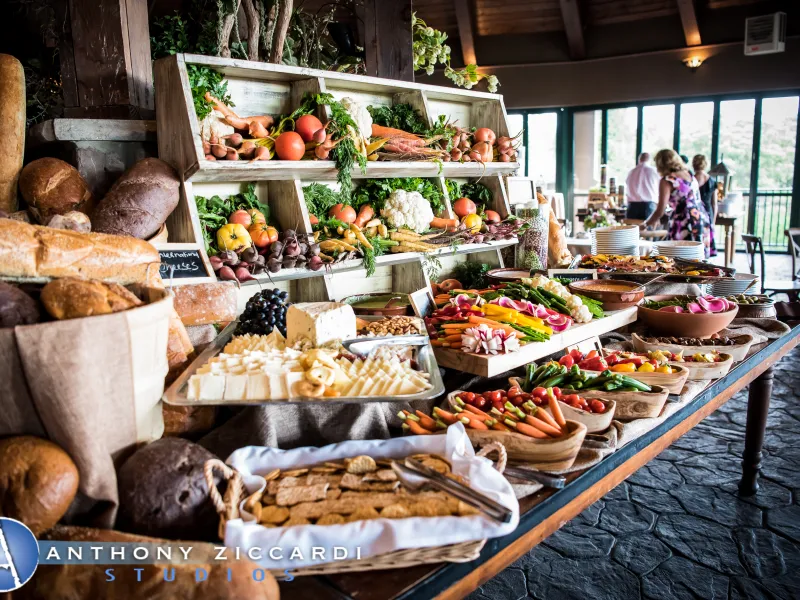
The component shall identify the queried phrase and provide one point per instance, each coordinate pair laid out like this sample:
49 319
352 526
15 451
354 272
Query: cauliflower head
407 209
360 115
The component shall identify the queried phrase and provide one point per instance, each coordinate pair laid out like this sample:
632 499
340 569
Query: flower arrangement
598 218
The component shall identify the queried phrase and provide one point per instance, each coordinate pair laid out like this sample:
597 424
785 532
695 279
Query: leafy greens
399 116
214 212
376 191
204 80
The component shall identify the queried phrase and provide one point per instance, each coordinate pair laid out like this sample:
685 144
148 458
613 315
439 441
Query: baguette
32 251
12 123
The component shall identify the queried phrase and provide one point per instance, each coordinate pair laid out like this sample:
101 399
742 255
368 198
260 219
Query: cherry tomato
467 396
540 392
557 392
493 396
525 396
598 407
516 401
538 401
566 361
481 402
570 398
514 392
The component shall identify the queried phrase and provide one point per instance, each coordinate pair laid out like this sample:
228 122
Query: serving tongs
364 346
729 271
549 481
415 475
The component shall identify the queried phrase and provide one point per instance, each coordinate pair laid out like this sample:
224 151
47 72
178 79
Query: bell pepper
612 358
566 360
593 364
646 368
664 369
233 237
624 368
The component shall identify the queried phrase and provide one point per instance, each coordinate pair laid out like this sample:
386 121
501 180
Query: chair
627 221
791 288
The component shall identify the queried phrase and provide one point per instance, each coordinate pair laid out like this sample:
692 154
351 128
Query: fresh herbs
477 192
320 198
453 189
431 265
214 212
399 116
204 80
376 191
370 255
472 275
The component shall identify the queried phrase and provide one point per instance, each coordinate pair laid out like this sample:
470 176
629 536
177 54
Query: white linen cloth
641 185
376 536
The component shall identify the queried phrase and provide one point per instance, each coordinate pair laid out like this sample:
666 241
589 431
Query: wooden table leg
757 410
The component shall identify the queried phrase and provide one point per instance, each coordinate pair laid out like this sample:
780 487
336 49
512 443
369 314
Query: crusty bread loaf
206 303
12 124
30 251
139 201
72 298
53 187
68 582
17 307
38 481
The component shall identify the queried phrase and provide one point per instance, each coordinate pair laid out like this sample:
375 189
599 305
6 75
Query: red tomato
307 126
525 396
514 392
241 217
598 407
481 402
566 361
557 392
290 146
499 406
516 401
571 398
540 392
493 396
467 396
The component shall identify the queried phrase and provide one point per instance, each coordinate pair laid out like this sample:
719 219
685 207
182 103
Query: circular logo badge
19 554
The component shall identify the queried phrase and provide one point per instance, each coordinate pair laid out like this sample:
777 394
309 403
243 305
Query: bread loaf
206 303
69 582
140 201
29 251
12 124
71 298
73 221
38 481
162 492
17 307
53 187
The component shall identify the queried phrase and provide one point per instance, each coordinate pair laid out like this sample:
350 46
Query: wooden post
106 64
387 39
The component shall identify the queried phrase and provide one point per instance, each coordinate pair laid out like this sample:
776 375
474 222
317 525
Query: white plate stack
621 239
736 285
686 249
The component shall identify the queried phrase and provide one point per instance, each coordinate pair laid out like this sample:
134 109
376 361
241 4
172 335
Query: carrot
476 411
545 416
440 223
365 213
556 409
416 428
391 132
493 324
438 343
464 413
457 326
498 426
425 420
222 107
456 337
542 426
526 429
445 416
472 421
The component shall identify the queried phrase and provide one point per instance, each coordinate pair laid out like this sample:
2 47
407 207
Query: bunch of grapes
264 312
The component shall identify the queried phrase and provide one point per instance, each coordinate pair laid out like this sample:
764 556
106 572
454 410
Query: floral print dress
689 219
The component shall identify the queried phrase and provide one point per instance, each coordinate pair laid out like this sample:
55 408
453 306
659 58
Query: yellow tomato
646 368
473 222
624 368
664 369
233 237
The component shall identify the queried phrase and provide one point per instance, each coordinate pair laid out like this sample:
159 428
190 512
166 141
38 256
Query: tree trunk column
758 399
387 39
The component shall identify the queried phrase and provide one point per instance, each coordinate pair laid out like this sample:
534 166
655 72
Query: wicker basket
228 508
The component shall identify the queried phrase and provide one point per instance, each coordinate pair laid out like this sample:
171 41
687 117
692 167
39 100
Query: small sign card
180 264
572 274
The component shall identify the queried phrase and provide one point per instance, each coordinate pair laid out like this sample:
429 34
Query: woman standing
708 193
679 190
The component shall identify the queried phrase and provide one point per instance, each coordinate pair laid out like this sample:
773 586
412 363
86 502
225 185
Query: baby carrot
473 422
425 420
416 428
527 430
542 426
542 414
556 409
445 416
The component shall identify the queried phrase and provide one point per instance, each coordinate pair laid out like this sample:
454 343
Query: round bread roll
16 307
163 492
67 582
38 481
53 187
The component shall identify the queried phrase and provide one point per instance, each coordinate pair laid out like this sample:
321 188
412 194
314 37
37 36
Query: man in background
641 189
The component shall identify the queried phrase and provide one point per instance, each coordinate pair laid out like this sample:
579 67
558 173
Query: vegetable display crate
491 365
263 88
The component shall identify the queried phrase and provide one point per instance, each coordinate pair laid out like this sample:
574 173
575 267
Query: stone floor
676 529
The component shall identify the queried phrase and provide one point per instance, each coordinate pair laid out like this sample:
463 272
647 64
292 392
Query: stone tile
770 494
673 454
781 470
531 560
717 505
701 541
621 516
580 541
658 474
761 551
640 553
681 579
658 500
747 589
785 521
590 515
621 492
510 585
566 579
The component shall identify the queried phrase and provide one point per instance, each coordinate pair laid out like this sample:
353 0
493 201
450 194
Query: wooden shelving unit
263 88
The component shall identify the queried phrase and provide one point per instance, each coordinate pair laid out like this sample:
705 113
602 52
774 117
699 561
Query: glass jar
531 251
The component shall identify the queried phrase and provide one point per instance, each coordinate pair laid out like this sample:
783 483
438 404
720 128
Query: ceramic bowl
624 295
684 324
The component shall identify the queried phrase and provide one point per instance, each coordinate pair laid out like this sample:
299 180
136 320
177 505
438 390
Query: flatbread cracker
330 519
290 496
437 464
362 464
381 475
274 515
430 508
350 481
274 474
395 511
295 473
296 521
333 494
364 513
326 469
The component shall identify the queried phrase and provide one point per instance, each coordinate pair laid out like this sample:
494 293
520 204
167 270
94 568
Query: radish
672 309
694 308
242 274
558 322
227 274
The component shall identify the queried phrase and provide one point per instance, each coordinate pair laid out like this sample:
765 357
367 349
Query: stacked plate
681 249
621 239
736 285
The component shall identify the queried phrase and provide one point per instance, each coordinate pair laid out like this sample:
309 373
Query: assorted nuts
393 326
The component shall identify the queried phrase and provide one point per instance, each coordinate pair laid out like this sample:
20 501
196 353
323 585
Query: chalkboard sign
180 264
572 274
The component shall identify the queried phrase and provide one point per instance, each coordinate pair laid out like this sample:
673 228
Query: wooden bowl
684 324
630 405
672 382
386 311
627 293
507 275
702 371
738 352
161 236
595 423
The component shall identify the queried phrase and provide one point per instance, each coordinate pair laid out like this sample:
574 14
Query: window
621 142
588 143
776 156
736 139
696 129
658 127
541 156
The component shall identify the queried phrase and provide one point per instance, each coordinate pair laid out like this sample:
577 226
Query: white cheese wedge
257 387
235 387
319 322
212 387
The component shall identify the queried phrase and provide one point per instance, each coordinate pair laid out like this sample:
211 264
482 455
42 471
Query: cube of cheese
235 387
320 322
258 387
212 387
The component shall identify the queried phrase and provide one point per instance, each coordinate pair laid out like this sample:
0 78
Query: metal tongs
414 475
364 346
550 481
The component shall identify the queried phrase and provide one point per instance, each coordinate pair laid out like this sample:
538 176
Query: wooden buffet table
546 511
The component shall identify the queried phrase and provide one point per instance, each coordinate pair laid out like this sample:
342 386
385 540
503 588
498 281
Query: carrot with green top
528 430
542 426
445 416
416 428
556 409
475 320
541 414
425 420
473 421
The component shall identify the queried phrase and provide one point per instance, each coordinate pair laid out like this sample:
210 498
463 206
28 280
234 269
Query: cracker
274 474
274 515
295 473
330 519
268 500
335 465
296 521
290 496
314 510
395 511
255 510
333 494
430 508
253 500
276 484
374 499
350 481
324 470
362 464
386 463
437 464
379 486
315 478
363 513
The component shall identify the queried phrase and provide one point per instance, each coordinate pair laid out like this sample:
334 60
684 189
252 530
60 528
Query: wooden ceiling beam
691 31
571 15
465 31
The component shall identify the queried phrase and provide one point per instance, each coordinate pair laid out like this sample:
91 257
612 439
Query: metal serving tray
176 394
